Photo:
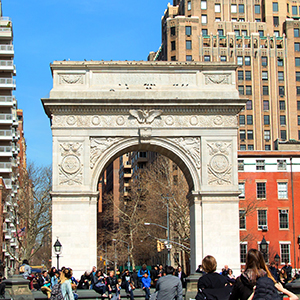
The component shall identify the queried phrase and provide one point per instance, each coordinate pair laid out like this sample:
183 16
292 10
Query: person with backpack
25 269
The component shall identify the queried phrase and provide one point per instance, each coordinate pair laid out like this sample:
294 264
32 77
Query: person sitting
141 273
99 285
127 284
146 282
212 285
44 284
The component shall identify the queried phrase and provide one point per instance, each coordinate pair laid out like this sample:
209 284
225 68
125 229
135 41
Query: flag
21 232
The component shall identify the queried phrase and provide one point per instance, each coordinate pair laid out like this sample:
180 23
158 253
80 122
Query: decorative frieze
70 167
71 79
219 166
139 118
217 79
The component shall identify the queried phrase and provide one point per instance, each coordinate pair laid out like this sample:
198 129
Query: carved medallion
96 120
71 79
70 164
218 120
194 120
169 120
120 120
217 79
71 120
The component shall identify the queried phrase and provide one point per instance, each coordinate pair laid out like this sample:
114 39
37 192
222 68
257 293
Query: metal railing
5 133
6 48
6 63
6 98
7 81
5 165
5 117
5 149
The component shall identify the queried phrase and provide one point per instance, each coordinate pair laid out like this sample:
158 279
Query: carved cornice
127 121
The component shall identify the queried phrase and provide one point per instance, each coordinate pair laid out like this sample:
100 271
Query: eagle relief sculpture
144 115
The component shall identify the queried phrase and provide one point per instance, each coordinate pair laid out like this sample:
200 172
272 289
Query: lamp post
264 247
169 246
57 249
114 240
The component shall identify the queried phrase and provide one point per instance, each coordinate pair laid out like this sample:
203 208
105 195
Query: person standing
169 286
181 275
288 270
65 284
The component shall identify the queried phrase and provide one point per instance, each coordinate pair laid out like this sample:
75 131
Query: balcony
4 247
7 182
7 101
6 119
4 209
7 50
6 135
5 32
6 151
7 83
8 234
7 65
5 167
4 227
13 242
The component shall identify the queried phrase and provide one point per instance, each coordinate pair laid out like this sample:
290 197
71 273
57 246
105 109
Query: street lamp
168 245
57 249
114 240
264 247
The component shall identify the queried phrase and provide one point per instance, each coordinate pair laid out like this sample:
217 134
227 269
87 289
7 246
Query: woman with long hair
65 284
255 269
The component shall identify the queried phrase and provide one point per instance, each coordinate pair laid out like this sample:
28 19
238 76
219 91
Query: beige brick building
263 39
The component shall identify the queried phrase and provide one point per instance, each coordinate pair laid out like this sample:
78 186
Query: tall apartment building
263 38
9 147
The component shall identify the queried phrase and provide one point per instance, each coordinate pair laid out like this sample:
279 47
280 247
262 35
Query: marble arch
186 111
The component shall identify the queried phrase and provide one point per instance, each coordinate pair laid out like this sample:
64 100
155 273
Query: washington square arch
185 111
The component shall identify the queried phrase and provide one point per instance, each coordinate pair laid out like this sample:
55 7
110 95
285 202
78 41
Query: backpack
56 293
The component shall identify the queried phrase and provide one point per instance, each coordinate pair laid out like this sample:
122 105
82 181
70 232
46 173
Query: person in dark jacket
84 283
274 270
181 275
99 284
127 284
288 270
212 285
112 285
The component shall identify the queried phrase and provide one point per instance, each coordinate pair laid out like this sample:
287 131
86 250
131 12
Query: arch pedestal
187 112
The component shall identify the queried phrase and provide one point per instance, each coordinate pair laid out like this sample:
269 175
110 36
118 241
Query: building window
261 33
233 8
173 58
188 30
189 58
251 147
220 32
285 252
298 90
218 19
242 120
266 105
260 164
283 219
206 57
264 61
203 19
242 219
241 8
242 147
264 75
283 134
280 76
265 90
240 75
262 218
282 105
266 135
242 190
296 32
249 120
243 253
257 9
173 31
247 61
173 45
249 105
280 62
298 105
241 89
275 6
298 120
282 189
276 21
244 32
267 147
297 61
282 120
281 90
297 76
247 75
241 165
217 8
297 47
188 45
276 33
257 20
189 5
240 60
242 134
294 10
204 31
298 134
250 134
248 90
203 4
237 32
266 120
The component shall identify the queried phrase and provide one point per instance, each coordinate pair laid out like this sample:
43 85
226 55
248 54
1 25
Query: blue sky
49 30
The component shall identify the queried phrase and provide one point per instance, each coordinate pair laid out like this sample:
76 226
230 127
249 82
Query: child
146 282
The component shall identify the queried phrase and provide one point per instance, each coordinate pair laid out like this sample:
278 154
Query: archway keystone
186 111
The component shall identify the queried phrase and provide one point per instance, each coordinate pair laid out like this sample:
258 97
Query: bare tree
33 212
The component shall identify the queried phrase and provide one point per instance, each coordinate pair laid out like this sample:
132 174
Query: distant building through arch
185 111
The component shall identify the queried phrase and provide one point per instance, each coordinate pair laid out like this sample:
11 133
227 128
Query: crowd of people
54 282
257 281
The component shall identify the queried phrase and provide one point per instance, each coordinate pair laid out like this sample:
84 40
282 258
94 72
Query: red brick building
270 203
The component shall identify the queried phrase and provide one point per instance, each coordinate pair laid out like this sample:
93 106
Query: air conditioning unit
284 211
264 227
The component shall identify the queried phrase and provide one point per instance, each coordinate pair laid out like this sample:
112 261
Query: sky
49 30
